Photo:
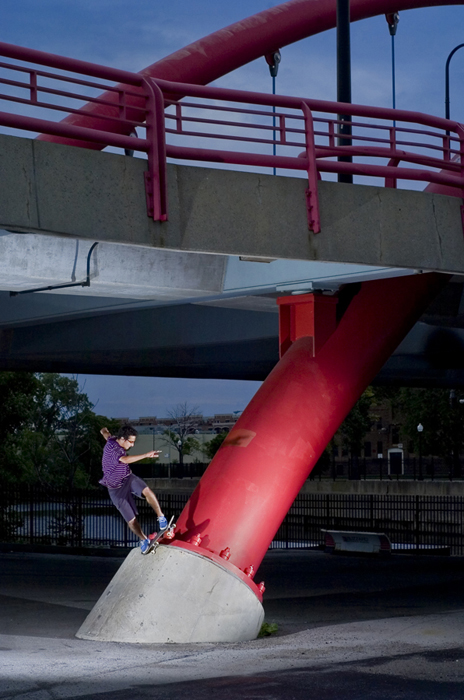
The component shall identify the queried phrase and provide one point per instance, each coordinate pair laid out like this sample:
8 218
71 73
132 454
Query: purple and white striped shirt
114 471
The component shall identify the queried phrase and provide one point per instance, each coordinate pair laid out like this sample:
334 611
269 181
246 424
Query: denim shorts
123 497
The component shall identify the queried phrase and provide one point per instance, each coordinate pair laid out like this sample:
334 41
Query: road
348 627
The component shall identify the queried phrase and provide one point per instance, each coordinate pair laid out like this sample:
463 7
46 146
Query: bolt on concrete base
176 596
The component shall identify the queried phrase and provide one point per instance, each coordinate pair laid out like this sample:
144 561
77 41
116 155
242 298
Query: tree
442 416
211 447
185 420
358 423
50 434
17 390
54 443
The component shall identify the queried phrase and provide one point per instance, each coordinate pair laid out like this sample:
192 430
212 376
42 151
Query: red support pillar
304 315
254 478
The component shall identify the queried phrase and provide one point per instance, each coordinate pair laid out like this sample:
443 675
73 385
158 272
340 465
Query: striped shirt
114 471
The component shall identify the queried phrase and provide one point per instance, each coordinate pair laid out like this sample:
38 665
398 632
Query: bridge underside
196 296
204 339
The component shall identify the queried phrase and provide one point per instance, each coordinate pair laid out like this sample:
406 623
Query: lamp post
420 429
152 430
273 60
447 100
181 459
344 80
392 20
453 402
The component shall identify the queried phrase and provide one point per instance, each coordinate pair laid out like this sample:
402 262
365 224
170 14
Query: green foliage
49 433
187 445
16 391
358 422
443 420
211 447
323 464
268 628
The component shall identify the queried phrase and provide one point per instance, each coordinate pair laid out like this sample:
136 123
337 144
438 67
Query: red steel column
252 481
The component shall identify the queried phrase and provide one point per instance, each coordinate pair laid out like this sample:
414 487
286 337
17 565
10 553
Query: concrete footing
173 595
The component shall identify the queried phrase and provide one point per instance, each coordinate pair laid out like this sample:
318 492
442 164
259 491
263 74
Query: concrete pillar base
174 595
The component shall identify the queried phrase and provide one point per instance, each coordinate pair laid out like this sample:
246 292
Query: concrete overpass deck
198 292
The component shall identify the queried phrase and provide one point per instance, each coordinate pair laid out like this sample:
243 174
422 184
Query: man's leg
136 529
152 500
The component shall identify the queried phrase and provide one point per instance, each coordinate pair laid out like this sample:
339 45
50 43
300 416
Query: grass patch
268 628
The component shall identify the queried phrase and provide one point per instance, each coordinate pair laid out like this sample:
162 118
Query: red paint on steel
439 151
306 315
219 53
254 478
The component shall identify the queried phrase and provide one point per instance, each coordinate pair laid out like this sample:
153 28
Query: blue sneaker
163 523
145 546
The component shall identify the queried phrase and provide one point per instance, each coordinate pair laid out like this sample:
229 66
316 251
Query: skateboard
157 536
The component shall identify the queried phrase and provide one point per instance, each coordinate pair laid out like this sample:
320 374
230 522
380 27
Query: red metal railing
134 102
221 126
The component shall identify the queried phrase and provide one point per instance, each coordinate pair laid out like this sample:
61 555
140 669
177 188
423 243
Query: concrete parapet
174 595
67 191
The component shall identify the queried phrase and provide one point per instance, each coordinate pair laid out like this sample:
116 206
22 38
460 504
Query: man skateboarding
123 485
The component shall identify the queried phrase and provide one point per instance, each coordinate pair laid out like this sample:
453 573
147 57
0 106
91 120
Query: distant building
223 422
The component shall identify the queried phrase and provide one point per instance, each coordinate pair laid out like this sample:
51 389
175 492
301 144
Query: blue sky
132 34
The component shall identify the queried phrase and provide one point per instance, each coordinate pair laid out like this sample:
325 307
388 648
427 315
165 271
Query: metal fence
89 519
411 522
407 468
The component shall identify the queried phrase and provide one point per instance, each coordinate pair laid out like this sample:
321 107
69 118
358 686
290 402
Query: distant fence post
417 523
31 516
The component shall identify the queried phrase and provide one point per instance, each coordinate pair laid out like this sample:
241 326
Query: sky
132 34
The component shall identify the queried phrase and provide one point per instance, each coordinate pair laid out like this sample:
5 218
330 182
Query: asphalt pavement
349 627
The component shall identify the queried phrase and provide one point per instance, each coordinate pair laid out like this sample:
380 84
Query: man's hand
154 454
106 433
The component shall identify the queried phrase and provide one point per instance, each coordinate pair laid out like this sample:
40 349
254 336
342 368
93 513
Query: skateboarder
122 484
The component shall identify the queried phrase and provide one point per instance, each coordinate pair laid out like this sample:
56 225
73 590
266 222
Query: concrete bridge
200 287
180 236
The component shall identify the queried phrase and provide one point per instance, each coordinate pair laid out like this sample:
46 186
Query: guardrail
179 120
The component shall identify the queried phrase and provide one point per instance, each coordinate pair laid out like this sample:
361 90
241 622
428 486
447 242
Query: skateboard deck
155 539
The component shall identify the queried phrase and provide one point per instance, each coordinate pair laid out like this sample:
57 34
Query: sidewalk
349 627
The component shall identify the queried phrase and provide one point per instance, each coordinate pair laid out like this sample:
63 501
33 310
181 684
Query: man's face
129 442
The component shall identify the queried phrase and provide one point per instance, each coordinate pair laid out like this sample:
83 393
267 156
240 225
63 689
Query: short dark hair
126 431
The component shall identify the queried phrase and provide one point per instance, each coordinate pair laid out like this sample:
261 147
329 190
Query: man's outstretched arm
130 459
106 433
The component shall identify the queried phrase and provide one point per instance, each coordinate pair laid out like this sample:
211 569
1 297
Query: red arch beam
223 51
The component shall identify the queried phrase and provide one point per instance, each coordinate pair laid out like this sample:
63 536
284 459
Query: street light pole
447 89
344 80
392 20
153 437
273 60
420 429
456 465
181 459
